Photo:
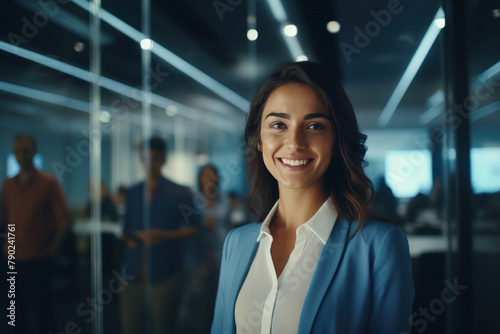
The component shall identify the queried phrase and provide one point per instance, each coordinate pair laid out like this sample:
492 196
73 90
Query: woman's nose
296 138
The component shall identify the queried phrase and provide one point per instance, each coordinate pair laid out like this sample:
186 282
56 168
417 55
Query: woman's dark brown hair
345 179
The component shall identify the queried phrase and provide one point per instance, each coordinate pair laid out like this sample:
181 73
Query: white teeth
295 162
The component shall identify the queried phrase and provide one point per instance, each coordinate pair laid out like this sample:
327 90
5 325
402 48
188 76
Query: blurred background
91 81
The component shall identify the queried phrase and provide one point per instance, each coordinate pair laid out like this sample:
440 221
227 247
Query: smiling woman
317 262
296 138
320 94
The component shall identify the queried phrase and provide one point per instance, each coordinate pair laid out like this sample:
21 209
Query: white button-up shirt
267 304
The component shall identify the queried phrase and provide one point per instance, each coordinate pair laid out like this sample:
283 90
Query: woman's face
296 137
209 181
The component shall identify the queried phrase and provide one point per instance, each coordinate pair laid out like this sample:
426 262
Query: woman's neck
297 206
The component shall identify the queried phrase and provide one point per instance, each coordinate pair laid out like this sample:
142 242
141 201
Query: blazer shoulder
377 231
244 233
240 240
375 226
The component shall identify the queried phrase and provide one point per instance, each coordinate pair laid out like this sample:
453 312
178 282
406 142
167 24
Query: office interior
91 80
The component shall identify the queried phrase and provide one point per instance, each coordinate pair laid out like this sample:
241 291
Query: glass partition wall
93 82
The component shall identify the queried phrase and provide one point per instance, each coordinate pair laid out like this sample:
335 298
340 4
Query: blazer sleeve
392 285
220 307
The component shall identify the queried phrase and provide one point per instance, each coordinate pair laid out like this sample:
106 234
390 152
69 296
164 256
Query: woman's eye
278 126
316 126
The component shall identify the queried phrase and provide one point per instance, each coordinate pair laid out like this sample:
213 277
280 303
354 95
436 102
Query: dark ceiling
214 41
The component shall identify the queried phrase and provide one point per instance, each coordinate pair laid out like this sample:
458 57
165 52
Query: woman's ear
259 145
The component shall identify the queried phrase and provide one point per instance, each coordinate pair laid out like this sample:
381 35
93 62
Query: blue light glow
485 169
412 69
408 172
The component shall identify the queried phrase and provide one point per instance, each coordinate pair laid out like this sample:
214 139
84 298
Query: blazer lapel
328 262
242 264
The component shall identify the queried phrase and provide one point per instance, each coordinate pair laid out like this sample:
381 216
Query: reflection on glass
408 172
485 169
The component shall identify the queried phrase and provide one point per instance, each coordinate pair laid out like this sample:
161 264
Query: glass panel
484 73
44 92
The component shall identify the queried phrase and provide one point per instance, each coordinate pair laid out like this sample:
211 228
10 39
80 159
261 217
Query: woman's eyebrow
287 116
315 115
278 114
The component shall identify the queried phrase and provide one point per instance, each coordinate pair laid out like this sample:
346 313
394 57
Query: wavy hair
345 180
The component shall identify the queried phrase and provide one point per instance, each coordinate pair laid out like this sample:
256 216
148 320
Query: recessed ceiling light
146 44
79 46
290 30
440 23
104 116
252 34
333 27
171 110
302 58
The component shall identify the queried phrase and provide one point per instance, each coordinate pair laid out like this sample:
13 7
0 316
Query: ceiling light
104 116
440 23
48 97
482 112
496 13
171 110
410 72
290 30
333 27
79 46
302 58
277 10
146 44
252 34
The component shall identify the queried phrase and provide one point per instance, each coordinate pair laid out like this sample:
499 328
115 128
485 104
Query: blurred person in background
217 219
34 203
205 252
119 200
160 216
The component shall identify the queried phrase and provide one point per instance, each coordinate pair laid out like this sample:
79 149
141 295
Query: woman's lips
295 164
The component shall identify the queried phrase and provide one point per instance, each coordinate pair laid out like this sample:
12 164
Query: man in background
158 222
34 210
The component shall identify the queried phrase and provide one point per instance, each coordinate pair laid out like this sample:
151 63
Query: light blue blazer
361 284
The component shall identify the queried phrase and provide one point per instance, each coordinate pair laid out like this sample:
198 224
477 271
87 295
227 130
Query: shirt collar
321 224
264 230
